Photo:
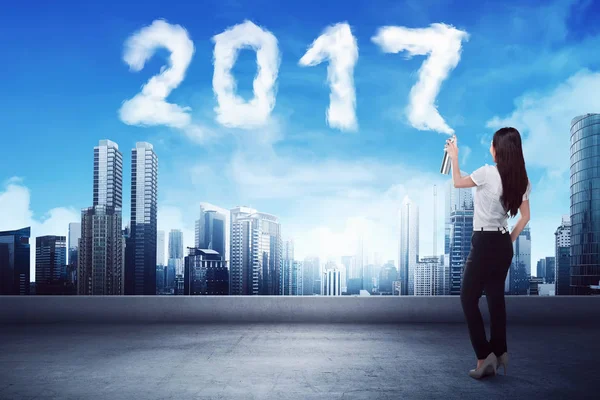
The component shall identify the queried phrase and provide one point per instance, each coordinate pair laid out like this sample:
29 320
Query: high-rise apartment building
140 252
585 203
563 257
100 258
15 262
409 245
255 265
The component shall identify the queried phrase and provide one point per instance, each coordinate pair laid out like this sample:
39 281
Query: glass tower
100 252
50 264
15 262
256 250
409 246
140 269
585 203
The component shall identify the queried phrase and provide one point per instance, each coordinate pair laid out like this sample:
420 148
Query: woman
502 190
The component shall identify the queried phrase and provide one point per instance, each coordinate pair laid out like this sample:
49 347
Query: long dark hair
511 166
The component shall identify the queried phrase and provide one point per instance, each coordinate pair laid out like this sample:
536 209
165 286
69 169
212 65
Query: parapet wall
555 310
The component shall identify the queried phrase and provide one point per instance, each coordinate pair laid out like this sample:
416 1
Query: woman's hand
452 149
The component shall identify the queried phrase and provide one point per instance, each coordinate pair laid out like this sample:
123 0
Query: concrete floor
289 361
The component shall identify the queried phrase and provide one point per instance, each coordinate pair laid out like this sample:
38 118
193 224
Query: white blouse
489 211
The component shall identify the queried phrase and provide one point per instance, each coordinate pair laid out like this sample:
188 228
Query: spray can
446 161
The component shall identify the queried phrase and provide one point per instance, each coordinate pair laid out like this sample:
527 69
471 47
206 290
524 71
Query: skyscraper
458 232
297 278
331 284
311 273
387 275
140 252
73 251
100 254
550 270
519 274
175 264
409 245
15 262
585 203
426 276
255 266
541 269
51 265
563 257
211 231
160 248
287 261
108 175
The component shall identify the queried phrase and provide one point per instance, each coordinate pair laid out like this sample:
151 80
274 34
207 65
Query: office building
205 273
387 275
409 245
72 252
287 260
51 266
541 268
585 203
140 252
517 279
563 257
160 248
550 270
429 276
331 285
311 273
256 250
15 262
534 286
297 278
100 258
211 231
455 199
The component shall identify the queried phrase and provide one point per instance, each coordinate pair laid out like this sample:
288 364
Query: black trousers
485 270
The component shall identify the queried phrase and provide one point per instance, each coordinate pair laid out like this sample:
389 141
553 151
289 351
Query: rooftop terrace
207 348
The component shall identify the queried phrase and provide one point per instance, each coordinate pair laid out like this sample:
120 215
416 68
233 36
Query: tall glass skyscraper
585 203
409 246
287 260
100 254
14 262
140 265
256 250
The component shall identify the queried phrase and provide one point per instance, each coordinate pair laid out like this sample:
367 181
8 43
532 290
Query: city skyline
297 160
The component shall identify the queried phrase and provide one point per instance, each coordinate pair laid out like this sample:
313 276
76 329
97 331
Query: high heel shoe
488 367
503 361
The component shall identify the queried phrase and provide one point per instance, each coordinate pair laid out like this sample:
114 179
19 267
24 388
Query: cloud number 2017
336 45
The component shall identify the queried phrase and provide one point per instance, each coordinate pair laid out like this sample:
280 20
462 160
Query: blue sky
527 64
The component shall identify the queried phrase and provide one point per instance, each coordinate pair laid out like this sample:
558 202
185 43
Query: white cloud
149 107
232 110
544 120
443 45
338 46
15 213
